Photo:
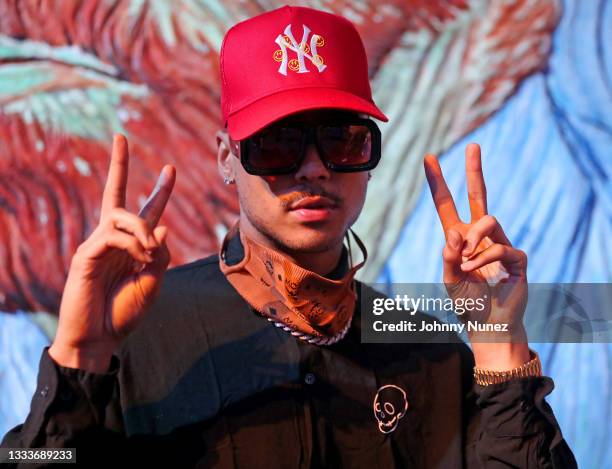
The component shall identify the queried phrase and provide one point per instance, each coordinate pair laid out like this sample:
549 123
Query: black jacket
205 381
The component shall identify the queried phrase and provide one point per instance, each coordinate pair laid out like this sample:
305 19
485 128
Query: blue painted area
547 162
21 344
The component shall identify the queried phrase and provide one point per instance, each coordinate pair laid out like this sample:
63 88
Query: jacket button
309 378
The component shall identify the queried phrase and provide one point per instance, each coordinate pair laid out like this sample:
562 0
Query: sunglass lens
275 149
346 145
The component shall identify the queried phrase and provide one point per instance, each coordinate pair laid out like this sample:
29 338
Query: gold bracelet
532 368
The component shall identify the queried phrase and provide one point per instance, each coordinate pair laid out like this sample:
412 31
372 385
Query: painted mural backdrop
529 80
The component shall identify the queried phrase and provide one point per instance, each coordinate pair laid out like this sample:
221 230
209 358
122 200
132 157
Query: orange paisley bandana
286 293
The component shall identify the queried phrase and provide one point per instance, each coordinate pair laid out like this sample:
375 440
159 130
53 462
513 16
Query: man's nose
312 166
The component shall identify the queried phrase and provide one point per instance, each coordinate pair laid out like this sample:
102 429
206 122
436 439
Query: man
253 357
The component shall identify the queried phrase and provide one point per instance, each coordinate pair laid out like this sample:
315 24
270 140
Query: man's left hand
481 263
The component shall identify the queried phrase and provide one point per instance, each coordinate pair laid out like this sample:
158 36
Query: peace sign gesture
479 260
115 274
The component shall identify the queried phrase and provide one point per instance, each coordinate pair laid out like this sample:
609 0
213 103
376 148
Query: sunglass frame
310 136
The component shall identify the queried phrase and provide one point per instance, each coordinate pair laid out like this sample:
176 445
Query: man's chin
313 237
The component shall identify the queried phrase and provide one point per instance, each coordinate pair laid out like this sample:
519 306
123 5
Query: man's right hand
115 274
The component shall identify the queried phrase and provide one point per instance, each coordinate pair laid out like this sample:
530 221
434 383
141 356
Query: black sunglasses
345 144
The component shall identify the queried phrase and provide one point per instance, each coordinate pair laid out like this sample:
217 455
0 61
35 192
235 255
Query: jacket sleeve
510 424
71 408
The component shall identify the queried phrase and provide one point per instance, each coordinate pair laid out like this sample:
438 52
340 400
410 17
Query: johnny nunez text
424 326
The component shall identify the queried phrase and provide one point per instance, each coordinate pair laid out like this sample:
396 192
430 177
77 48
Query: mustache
290 199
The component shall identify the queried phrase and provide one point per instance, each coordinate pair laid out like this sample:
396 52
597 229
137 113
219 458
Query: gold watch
533 367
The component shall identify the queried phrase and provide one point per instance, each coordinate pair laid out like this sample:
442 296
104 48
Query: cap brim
263 112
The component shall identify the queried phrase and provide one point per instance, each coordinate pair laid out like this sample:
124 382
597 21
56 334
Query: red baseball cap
289 60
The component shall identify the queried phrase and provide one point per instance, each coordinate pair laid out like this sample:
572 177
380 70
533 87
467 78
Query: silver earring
228 180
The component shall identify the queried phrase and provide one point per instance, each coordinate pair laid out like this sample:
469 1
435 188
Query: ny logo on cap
302 50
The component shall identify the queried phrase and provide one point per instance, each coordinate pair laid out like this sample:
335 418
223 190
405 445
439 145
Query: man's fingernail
163 178
467 265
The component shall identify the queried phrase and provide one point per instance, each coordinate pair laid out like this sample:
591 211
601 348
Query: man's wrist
502 351
93 361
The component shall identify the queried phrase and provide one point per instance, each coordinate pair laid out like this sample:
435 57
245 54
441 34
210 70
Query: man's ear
224 155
